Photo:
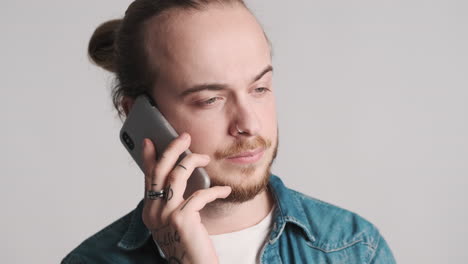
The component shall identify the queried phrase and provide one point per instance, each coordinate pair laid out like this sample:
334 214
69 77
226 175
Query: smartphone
146 121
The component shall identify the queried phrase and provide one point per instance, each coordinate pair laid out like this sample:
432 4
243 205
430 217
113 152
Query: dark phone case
146 121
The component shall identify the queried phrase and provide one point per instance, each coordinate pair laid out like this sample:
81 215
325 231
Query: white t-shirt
243 246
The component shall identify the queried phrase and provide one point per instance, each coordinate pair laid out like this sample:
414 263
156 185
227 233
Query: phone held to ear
146 121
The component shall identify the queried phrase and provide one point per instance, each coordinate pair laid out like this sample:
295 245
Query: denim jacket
305 230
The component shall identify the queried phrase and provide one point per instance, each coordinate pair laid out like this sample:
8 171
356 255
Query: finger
150 207
156 174
177 179
171 154
149 164
200 198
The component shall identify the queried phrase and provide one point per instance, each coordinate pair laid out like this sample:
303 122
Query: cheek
267 116
207 135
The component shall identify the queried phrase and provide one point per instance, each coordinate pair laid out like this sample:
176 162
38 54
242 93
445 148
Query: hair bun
101 47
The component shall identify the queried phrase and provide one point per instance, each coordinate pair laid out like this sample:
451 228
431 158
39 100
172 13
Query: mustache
241 146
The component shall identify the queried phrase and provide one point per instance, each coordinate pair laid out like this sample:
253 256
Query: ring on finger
164 194
154 195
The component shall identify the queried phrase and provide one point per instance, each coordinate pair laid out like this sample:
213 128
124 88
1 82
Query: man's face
214 78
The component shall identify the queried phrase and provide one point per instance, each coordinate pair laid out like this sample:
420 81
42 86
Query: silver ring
154 195
239 131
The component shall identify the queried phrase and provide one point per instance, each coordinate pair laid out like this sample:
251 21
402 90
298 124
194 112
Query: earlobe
127 103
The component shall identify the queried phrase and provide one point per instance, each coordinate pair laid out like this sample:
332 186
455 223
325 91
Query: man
207 65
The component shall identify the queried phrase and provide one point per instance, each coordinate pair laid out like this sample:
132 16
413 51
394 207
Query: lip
248 156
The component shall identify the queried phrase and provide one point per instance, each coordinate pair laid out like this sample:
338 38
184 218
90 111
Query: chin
246 181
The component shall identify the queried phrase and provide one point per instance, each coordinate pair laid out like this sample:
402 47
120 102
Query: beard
250 180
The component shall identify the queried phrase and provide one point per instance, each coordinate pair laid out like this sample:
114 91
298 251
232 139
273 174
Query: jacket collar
289 209
137 234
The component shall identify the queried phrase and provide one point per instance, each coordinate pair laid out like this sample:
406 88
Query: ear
127 103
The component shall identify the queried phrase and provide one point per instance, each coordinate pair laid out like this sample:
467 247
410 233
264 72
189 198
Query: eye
210 101
261 90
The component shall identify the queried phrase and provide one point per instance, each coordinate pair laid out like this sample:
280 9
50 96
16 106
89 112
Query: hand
175 223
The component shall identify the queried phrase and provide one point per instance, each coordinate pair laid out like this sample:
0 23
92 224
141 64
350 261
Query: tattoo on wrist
175 260
168 238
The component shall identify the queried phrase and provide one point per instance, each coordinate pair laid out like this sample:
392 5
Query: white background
373 115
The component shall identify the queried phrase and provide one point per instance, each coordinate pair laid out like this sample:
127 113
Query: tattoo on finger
186 202
169 193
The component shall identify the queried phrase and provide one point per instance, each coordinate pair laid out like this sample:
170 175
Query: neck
222 217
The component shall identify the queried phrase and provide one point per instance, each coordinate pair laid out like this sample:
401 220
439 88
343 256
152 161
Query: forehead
217 44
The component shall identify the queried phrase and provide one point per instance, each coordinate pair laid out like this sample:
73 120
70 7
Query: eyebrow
221 86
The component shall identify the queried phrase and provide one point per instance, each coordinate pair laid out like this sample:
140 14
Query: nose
245 122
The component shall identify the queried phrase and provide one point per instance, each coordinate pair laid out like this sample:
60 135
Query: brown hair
117 45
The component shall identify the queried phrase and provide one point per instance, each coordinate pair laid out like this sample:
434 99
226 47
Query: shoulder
127 240
101 245
326 227
334 227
